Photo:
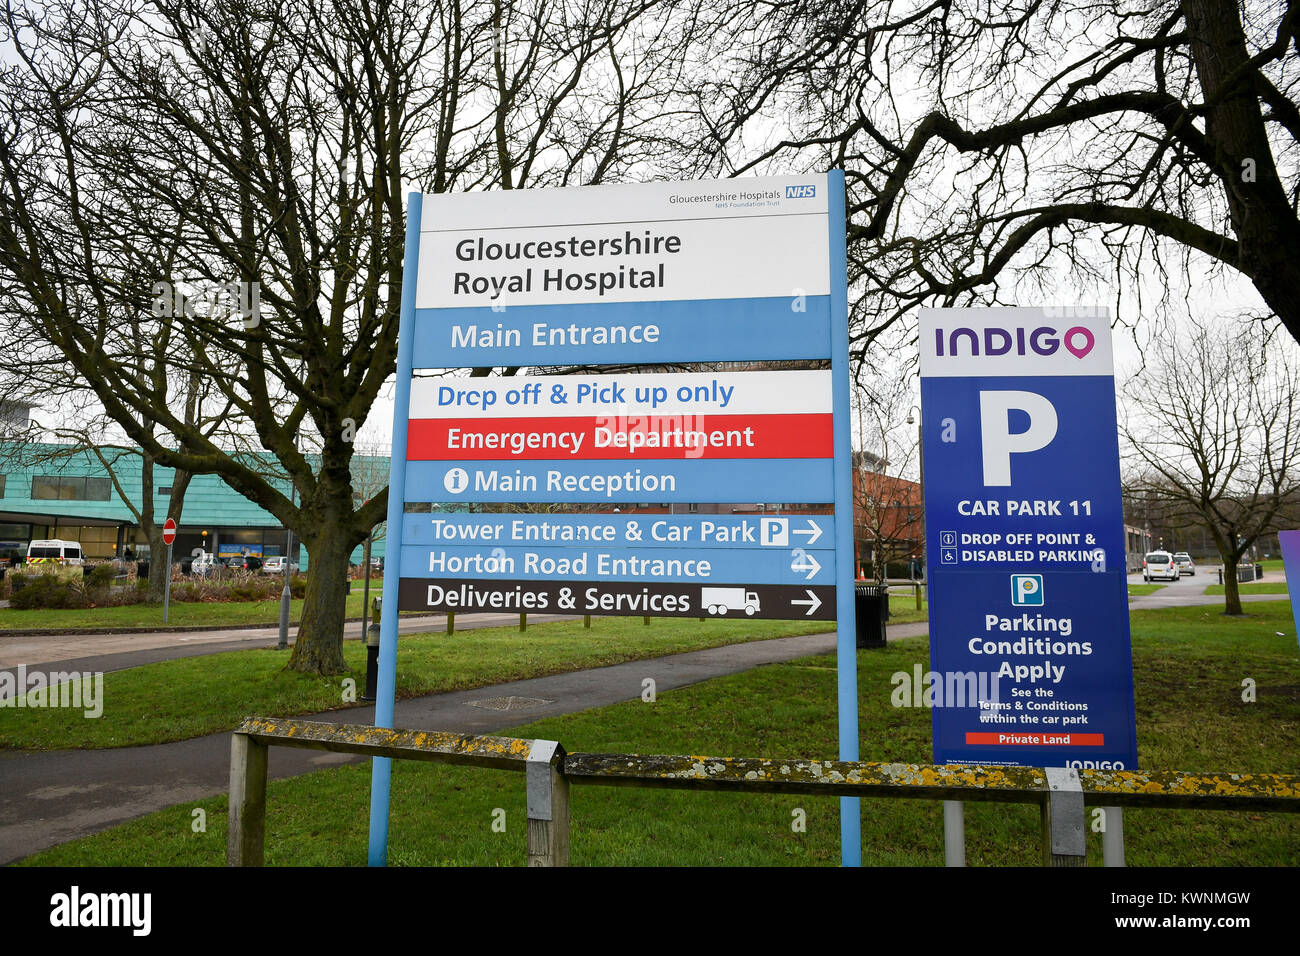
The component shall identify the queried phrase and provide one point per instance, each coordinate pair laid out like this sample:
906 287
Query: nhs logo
800 192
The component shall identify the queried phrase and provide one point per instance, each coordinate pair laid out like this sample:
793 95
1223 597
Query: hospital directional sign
733 271
1029 627
653 273
683 437
592 550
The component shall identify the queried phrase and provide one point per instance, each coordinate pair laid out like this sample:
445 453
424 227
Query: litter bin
870 611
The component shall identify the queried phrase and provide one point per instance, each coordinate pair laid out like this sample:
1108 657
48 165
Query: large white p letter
995 430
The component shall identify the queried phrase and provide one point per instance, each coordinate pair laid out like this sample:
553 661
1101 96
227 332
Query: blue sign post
689 272
1029 628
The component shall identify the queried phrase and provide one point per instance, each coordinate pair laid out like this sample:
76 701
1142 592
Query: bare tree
1213 430
990 145
270 145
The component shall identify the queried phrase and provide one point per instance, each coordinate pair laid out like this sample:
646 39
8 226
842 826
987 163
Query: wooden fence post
247 829
451 622
548 805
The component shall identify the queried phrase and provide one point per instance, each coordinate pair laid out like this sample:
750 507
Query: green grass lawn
1138 590
1255 587
902 609
180 614
1188 668
189 697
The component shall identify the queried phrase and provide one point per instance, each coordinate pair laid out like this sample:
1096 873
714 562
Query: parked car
1159 564
275 565
1185 565
54 551
244 562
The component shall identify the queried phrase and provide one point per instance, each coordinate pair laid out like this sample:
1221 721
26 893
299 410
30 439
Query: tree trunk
1231 593
1259 208
319 645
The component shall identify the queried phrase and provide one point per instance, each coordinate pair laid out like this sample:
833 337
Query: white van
54 551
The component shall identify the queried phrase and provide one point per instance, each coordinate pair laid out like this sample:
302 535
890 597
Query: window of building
165 490
67 488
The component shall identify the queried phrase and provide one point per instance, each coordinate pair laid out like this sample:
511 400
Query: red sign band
620 437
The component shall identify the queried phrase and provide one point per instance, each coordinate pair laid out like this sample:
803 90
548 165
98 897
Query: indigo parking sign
1022 507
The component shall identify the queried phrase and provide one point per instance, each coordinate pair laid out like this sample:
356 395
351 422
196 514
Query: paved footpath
50 797
115 651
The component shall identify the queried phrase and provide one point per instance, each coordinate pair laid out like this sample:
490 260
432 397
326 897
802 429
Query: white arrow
813 604
814 530
807 563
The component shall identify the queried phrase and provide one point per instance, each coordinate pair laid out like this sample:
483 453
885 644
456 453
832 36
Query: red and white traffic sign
169 530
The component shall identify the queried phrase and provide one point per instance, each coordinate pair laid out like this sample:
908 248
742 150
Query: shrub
245 591
187 592
119 597
47 591
101 576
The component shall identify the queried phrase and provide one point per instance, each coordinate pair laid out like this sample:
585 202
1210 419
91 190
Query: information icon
456 480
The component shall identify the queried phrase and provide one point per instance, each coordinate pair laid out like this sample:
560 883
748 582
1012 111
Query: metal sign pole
167 588
386 690
846 647
954 833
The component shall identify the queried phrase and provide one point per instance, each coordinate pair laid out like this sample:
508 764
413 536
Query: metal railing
1061 793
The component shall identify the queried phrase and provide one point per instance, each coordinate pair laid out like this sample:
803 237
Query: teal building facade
52 491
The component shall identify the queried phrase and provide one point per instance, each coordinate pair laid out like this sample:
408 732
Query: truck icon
722 600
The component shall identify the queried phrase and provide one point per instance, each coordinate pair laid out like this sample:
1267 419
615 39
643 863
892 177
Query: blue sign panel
765 479
810 533
769 566
1029 629
710 330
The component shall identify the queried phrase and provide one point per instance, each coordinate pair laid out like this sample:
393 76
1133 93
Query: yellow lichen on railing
381 741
